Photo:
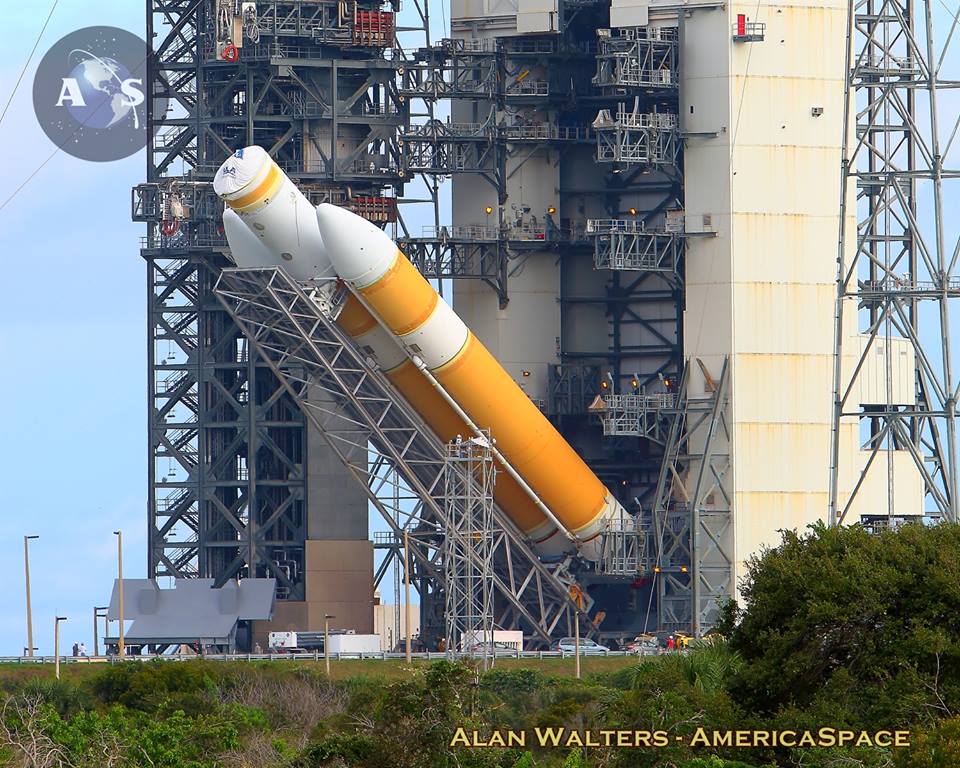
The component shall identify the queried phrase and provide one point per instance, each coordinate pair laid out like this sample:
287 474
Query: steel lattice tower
469 476
229 473
897 284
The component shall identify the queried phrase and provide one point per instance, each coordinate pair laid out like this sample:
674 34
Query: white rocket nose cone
245 247
240 171
360 252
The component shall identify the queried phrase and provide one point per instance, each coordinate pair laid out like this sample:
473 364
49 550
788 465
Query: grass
392 669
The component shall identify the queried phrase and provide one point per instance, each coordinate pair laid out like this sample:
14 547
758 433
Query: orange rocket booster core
428 329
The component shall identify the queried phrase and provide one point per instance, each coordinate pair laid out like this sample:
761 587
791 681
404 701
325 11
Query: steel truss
387 449
637 57
571 389
651 139
638 415
222 436
444 148
692 524
452 69
469 476
485 252
898 268
227 443
628 245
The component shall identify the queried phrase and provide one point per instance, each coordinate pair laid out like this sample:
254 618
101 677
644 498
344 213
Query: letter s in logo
134 95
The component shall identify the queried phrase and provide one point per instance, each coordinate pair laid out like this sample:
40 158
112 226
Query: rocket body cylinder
265 227
428 328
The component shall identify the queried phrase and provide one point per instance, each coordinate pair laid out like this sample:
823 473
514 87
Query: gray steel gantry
317 87
898 267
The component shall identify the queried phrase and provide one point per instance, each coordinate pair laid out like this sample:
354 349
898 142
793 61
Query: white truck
294 642
505 642
341 641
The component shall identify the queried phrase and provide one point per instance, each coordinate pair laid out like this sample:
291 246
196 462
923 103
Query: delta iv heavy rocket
400 321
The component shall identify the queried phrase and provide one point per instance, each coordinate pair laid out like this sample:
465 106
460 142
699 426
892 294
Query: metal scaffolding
627 245
637 139
624 549
468 544
693 529
317 88
638 415
898 266
637 57
388 449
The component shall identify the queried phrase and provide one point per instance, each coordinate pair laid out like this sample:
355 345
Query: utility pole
121 647
56 644
326 640
26 570
406 595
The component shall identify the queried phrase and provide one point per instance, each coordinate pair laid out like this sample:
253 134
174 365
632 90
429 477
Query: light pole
98 612
326 640
576 644
120 643
56 644
26 573
408 630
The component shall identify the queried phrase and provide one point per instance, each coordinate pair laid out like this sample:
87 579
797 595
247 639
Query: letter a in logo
71 90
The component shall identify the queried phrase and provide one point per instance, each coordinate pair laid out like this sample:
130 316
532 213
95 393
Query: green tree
867 621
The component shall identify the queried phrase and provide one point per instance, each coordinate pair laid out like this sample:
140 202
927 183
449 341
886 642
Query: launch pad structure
622 236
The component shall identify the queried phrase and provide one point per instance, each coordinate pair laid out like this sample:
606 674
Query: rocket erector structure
443 371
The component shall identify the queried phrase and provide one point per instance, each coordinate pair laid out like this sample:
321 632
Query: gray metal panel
133 589
193 610
256 599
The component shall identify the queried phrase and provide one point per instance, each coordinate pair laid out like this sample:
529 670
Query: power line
59 146
30 177
27 62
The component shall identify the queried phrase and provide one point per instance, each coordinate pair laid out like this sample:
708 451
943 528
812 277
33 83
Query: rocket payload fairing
269 222
263 198
430 331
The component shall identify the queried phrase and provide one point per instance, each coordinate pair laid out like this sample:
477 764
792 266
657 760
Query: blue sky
73 344
72 332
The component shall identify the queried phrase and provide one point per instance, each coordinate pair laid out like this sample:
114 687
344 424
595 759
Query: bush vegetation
840 629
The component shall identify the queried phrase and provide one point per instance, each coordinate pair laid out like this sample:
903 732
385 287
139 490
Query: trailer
351 643
294 642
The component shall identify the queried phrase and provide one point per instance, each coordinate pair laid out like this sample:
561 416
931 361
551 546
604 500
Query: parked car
499 649
587 647
643 645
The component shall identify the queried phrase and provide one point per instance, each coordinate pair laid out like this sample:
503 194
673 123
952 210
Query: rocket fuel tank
265 227
428 329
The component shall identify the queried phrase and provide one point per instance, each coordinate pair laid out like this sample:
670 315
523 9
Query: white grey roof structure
194 610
